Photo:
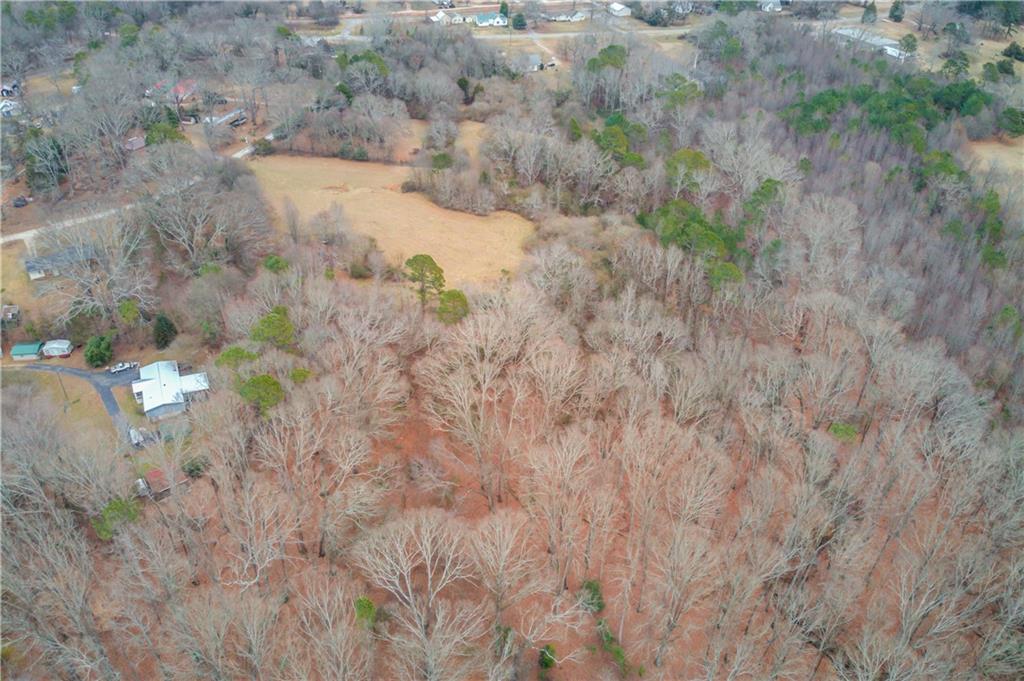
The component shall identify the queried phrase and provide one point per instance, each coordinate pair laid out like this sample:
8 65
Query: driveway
102 382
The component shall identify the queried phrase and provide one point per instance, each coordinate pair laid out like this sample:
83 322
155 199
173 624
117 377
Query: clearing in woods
470 248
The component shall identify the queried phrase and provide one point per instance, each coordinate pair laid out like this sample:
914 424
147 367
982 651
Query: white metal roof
161 384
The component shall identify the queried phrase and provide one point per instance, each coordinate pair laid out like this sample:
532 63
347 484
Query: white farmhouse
490 19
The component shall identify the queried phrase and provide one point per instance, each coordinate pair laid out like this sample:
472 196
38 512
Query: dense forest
752 408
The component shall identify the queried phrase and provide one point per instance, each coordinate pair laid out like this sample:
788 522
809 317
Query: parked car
19 202
123 366
238 122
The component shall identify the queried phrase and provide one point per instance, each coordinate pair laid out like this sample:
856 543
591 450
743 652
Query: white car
123 366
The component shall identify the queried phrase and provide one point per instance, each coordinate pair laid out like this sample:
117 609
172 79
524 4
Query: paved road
102 382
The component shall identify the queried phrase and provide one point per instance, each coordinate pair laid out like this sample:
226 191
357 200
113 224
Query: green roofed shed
27 351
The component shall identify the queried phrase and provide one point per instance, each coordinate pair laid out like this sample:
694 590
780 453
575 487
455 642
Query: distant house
177 93
771 5
163 392
229 118
135 143
155 484
534 62
886 46
447 17
617 9
577 16
10 316
58 348
490 19
27 352
9 108
50 265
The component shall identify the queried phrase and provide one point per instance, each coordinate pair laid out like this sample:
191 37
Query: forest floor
470 248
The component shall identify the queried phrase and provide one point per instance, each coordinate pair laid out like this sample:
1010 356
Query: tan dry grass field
470 248
85 416
996 154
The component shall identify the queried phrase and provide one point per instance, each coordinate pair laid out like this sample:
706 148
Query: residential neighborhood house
50 265
163 392
886 46
617 9
447 17
490 19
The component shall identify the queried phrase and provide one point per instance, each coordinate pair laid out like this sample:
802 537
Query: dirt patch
995 154
470 248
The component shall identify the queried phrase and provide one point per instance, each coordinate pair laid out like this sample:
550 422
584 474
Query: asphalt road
102 382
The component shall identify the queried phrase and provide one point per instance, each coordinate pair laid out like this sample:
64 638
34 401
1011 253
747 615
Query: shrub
519 22
1011 121
195 466
441 161
275 263
547 657
264 391
262 147
300 375
590 596
357 270
285 33
129 34
896 11
98 351
128 310
366 612
1005 67
161 132
164 331
1014 51
844 432
721 272
234 356
274 328
115 514
452 306
611 646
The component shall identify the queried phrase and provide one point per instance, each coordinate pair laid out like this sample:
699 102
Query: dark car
19 202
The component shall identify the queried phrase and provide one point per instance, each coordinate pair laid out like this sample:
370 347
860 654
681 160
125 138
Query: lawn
470 248
83 412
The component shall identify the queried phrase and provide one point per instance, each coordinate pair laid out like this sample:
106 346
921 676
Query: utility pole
63 390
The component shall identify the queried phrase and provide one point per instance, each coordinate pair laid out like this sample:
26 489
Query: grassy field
470 248
131 409
83 412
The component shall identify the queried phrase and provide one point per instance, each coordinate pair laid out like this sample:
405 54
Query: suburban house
50 265
447 17
617 9
490 19
177 93
57 348
163 392
27 352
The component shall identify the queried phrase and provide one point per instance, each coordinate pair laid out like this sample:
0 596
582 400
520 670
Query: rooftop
160 385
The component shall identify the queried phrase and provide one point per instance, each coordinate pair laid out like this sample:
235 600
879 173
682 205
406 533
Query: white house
446 17
771 5
617 9
490 19
163 392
